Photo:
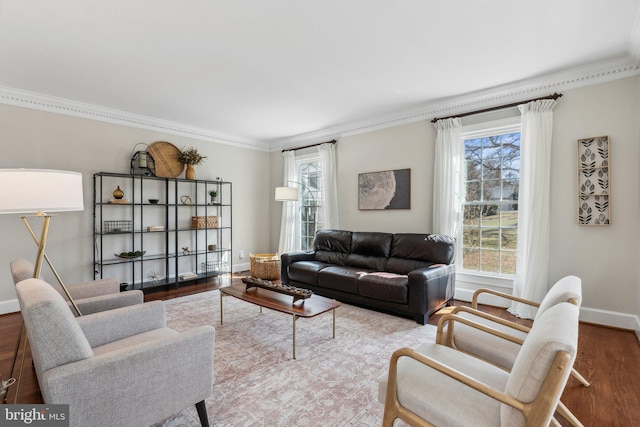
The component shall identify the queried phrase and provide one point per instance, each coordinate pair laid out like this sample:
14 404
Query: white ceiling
258 71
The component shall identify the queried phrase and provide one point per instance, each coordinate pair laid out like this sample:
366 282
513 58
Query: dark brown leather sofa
408 274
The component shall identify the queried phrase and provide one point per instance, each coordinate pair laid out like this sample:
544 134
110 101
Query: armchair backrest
54 333
564 290
21 269
554 332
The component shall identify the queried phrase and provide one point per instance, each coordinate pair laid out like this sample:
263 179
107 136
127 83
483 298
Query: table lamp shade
40 190
286 194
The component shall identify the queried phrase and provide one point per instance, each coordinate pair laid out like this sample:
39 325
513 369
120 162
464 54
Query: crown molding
574 78
52 104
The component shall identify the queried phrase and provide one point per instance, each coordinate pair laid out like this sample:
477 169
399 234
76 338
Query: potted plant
213 194
191 157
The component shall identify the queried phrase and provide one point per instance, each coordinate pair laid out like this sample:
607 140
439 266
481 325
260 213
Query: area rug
332 382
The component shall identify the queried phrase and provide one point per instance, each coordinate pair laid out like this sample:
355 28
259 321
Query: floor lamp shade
39 191
25 191
286 194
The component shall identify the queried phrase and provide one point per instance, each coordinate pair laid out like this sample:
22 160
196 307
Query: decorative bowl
130 255
154 201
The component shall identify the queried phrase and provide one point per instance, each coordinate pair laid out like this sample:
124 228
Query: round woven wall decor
166 158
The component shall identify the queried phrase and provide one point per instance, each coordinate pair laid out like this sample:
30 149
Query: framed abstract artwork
384 190
594 206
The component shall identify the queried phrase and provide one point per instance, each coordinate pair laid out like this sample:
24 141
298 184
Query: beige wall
605 257
36 139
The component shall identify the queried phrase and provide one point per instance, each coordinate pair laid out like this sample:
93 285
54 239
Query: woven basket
265 266
204 222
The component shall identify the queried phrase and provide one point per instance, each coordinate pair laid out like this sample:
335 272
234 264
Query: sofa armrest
291 257
431 286
112 325
92 288
145 382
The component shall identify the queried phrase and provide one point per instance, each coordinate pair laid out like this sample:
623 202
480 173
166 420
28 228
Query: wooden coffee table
309 307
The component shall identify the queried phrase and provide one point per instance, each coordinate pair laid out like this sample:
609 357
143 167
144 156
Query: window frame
480 130
304 238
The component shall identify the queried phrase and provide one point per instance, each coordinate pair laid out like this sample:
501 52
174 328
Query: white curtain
290 224
448 191
532 259
329 208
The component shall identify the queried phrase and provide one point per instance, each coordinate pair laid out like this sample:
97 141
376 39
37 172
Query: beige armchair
90 297
500 351
121 367
439 385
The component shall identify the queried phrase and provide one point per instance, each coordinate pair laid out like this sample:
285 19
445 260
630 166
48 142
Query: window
490 211
310 216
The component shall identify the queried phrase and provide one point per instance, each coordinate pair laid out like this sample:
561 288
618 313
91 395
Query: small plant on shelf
213 194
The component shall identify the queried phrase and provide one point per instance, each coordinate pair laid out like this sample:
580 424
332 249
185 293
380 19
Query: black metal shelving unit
124 227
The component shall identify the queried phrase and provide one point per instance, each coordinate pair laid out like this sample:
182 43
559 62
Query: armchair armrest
93 288
112 325
179 366
109 302
452 318
476 294
484 315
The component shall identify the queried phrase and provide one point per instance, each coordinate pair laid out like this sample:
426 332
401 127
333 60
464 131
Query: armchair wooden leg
579 377
568 415
201 407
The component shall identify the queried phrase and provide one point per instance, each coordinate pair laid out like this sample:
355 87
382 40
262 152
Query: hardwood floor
608 358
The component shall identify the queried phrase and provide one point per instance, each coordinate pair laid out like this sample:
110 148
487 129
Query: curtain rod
555 96
333 141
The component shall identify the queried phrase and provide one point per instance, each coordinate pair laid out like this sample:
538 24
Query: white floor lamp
39 192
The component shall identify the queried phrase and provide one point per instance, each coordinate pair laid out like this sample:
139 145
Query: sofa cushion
333 241
371 243
384 286
341 278
434 248
329 257
368 262
306 271
404 266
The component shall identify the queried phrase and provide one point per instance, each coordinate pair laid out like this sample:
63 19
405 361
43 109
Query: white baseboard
241 267
587 314
9 306
610 318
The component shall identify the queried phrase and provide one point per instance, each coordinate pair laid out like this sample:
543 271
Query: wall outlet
241 255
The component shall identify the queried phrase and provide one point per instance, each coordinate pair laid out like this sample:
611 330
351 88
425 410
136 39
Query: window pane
473 191
471 259
510 189
490 261
509 224
508 262
491 189
490 238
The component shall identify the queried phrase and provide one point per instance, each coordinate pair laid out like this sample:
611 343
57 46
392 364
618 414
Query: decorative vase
118 193
190 173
